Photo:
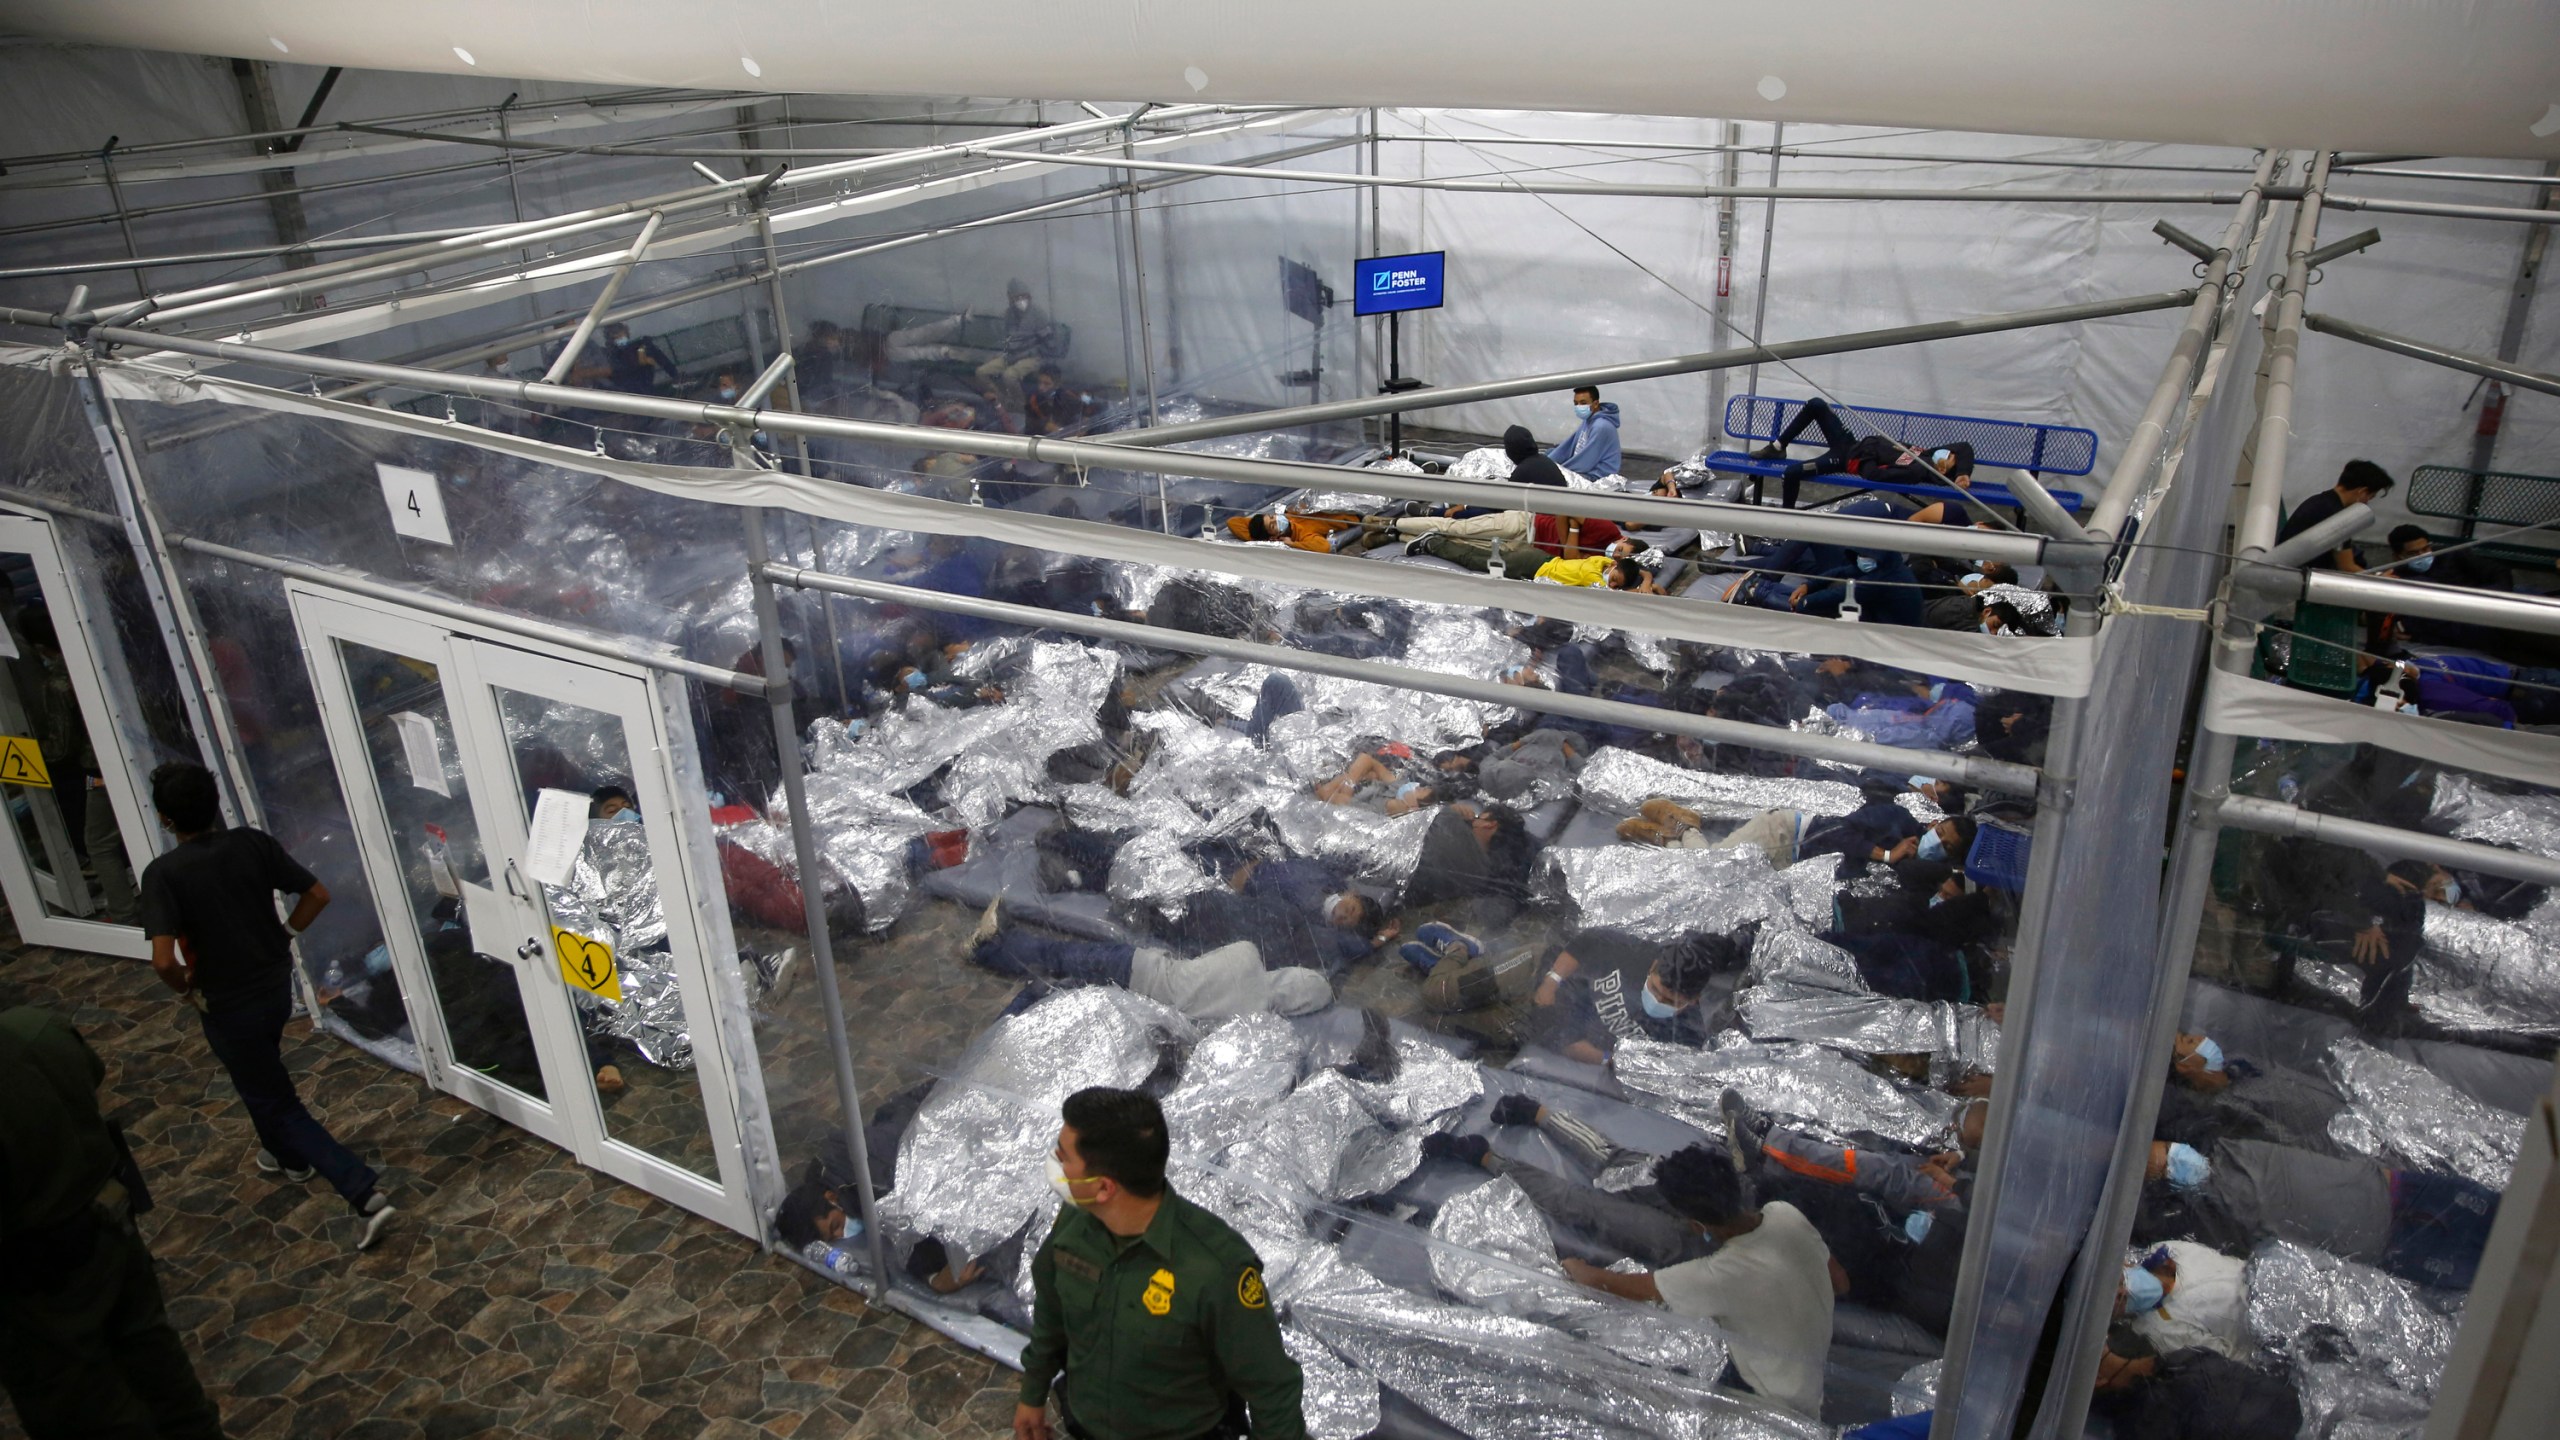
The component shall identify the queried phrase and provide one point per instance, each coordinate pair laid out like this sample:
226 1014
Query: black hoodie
1529 466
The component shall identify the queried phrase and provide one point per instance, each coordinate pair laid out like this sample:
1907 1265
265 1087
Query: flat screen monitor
1392 283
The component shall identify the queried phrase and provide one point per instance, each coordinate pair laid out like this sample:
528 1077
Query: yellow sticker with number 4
587 964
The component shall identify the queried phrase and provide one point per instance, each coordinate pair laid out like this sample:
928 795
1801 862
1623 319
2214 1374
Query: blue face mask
1916 1225
2143 1291
626 816
621 342
2421 565
1582 411
1654 1006
1923 782
1987 630
1866 564
2210 1051
2187 1167
1975 578
913 679
728 392
1938 691
2453 892
1931 847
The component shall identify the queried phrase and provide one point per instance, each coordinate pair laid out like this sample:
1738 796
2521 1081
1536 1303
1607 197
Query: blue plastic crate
1998 859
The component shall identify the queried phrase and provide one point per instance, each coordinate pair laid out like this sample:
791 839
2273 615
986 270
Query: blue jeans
2439 1226
248 1038
1279 697
1047 959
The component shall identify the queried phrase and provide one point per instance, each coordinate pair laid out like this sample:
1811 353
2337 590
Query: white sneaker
269 1164
377 1213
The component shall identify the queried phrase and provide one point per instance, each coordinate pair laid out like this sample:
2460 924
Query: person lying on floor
2154 1392
1298 529
2183 1295
2211 1096
1612 571
1395 779
1227 981
1477 852
1888 593
2425 1228
1510 769
1298 912
1878 830
1941 722
1961 610
1550 537
1603 986
2476 690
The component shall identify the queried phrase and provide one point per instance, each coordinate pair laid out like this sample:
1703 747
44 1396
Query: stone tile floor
517 1294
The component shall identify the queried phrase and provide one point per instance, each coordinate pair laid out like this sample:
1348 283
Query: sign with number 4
417 503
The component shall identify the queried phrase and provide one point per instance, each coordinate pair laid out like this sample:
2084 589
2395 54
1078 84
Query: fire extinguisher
2493 408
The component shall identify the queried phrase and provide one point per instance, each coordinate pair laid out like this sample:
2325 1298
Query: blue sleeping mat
1004 862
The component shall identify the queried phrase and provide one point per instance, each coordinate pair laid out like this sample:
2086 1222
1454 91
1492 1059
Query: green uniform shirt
55 1152
1156 1333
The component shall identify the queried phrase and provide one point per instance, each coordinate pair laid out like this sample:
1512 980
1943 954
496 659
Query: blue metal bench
2010 444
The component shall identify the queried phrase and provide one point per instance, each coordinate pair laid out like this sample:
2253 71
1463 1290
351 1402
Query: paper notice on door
559 833
425 756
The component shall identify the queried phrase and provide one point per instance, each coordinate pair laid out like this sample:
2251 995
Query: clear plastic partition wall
1441 929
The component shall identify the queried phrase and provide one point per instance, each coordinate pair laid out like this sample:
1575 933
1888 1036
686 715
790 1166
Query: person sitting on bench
1879 458
2360 482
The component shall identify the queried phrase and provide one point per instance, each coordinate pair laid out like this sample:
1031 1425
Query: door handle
531 949
513 888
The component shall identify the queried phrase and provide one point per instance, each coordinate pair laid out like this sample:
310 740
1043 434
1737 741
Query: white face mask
1058 1181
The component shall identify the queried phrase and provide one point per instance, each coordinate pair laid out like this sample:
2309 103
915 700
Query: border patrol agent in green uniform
1152 1306
85 1344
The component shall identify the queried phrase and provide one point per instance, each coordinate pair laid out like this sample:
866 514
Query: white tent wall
1532 291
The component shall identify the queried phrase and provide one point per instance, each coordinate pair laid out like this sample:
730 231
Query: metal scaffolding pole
2141 452
1768 232
2520 293
539 333
2017 548
2274 434
1718 323
2451 359
2000 775
639 251
1435 397
1138 270
181 634
812 869
1507 186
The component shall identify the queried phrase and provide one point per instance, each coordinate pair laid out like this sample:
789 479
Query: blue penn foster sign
1398 282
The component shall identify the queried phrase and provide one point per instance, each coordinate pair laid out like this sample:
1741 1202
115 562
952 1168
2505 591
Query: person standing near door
86 1347
209 911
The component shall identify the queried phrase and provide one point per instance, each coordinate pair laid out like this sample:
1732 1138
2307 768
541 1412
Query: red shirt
1597 535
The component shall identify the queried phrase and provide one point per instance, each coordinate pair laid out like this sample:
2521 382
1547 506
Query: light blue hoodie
1592 449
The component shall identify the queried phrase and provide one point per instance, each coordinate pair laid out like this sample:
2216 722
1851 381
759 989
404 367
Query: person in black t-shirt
208 907
1604 986
2360 483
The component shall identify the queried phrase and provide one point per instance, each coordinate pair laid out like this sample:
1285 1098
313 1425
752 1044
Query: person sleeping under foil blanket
1892 1216
1760 1273
2211 1096
1301 913
1227 981
2426 1228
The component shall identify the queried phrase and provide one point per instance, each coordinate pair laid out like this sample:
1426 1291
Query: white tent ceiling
2466 77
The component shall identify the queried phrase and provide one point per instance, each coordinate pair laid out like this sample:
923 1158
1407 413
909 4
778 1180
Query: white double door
51 712
444 738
